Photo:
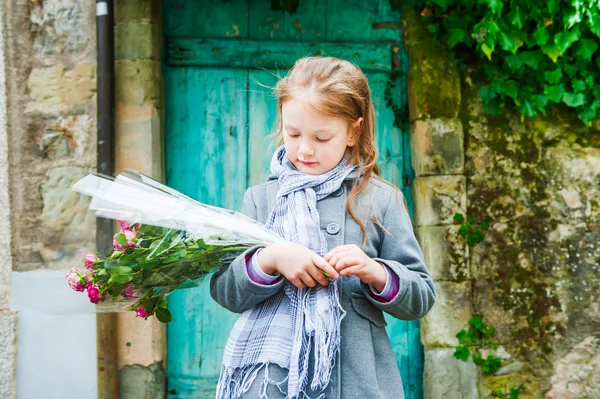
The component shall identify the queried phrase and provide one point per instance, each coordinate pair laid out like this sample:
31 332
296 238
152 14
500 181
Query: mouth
306 162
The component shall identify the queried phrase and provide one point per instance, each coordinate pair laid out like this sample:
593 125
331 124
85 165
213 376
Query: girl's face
314 143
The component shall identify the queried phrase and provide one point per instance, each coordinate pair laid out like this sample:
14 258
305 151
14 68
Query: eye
322 140
292 135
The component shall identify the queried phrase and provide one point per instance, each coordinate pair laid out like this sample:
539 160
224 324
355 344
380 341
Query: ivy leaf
553 52
554 76
586 48
578 85
553 6
554 93
541 36
487 50
516 17
458 217
564 40
511 88
455 36
506 42
574 100
572 18
495 5
462 353
527 108
464 229
594 23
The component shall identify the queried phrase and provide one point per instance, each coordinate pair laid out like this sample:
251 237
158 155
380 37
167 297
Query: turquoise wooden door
220 59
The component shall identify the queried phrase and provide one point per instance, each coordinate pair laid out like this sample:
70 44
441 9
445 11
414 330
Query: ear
355 132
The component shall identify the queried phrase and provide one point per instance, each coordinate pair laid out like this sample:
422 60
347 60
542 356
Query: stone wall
536 275
51 85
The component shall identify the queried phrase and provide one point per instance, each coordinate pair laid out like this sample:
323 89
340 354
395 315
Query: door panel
221 60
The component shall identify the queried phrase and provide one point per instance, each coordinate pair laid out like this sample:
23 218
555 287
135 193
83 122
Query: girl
304 332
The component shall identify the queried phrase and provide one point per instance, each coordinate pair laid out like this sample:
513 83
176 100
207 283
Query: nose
305 150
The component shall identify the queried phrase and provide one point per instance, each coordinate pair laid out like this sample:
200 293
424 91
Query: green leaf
572 18
462 353
574 100
163 315
586 48
455 36
458 217
516 17
541 36
495 5
553 52
464 229
553 7
121 270
578 85
554 76
511 88
487 50
484 225
121 239
506 42
564 40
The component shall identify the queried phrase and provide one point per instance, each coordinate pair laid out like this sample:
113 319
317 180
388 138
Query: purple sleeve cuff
257 274
392 286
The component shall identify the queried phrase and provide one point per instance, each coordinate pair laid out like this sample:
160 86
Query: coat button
333 228
338 192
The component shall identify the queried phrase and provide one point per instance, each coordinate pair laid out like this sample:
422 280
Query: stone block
8 360
137 11
59 26
43 85
437 146
137 41
138 140
66 136
438 198
137 82
447 377
445 252
68 226
78 85
433 78
449 315
140 382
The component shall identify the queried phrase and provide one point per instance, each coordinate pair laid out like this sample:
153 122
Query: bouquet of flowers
167 241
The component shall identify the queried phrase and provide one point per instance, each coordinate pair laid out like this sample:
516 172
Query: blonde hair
337 88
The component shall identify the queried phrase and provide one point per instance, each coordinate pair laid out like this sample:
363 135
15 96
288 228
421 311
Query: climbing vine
536 54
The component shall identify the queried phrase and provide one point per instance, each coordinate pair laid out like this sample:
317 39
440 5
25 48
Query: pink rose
141 312
124 225
129 235
128 292
75 280
90 261
94 294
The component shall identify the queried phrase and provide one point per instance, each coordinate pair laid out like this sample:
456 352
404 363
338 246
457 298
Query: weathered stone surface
68 225
145 11
447 377
137 41
136 82
450 314
438 198
8 360
66 136
78 85
139 382
43 84
577 375
437 146
138 143
58 26
445 252
433 79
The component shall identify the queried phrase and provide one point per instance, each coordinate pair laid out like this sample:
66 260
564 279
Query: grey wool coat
365 366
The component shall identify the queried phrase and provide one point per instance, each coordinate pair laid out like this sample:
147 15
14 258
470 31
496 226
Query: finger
316 274
298 283
346 262
325 266
336 250
352 271
308 280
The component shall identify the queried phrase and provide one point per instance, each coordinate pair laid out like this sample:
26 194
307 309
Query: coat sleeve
232 288
401 252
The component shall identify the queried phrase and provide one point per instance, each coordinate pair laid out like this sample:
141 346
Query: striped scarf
286 327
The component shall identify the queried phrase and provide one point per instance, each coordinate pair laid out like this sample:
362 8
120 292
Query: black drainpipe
106 323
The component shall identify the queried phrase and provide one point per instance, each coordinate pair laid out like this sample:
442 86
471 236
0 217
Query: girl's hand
351 260
301 266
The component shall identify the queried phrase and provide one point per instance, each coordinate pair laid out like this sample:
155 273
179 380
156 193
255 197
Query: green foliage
537 53
476 337
471 229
